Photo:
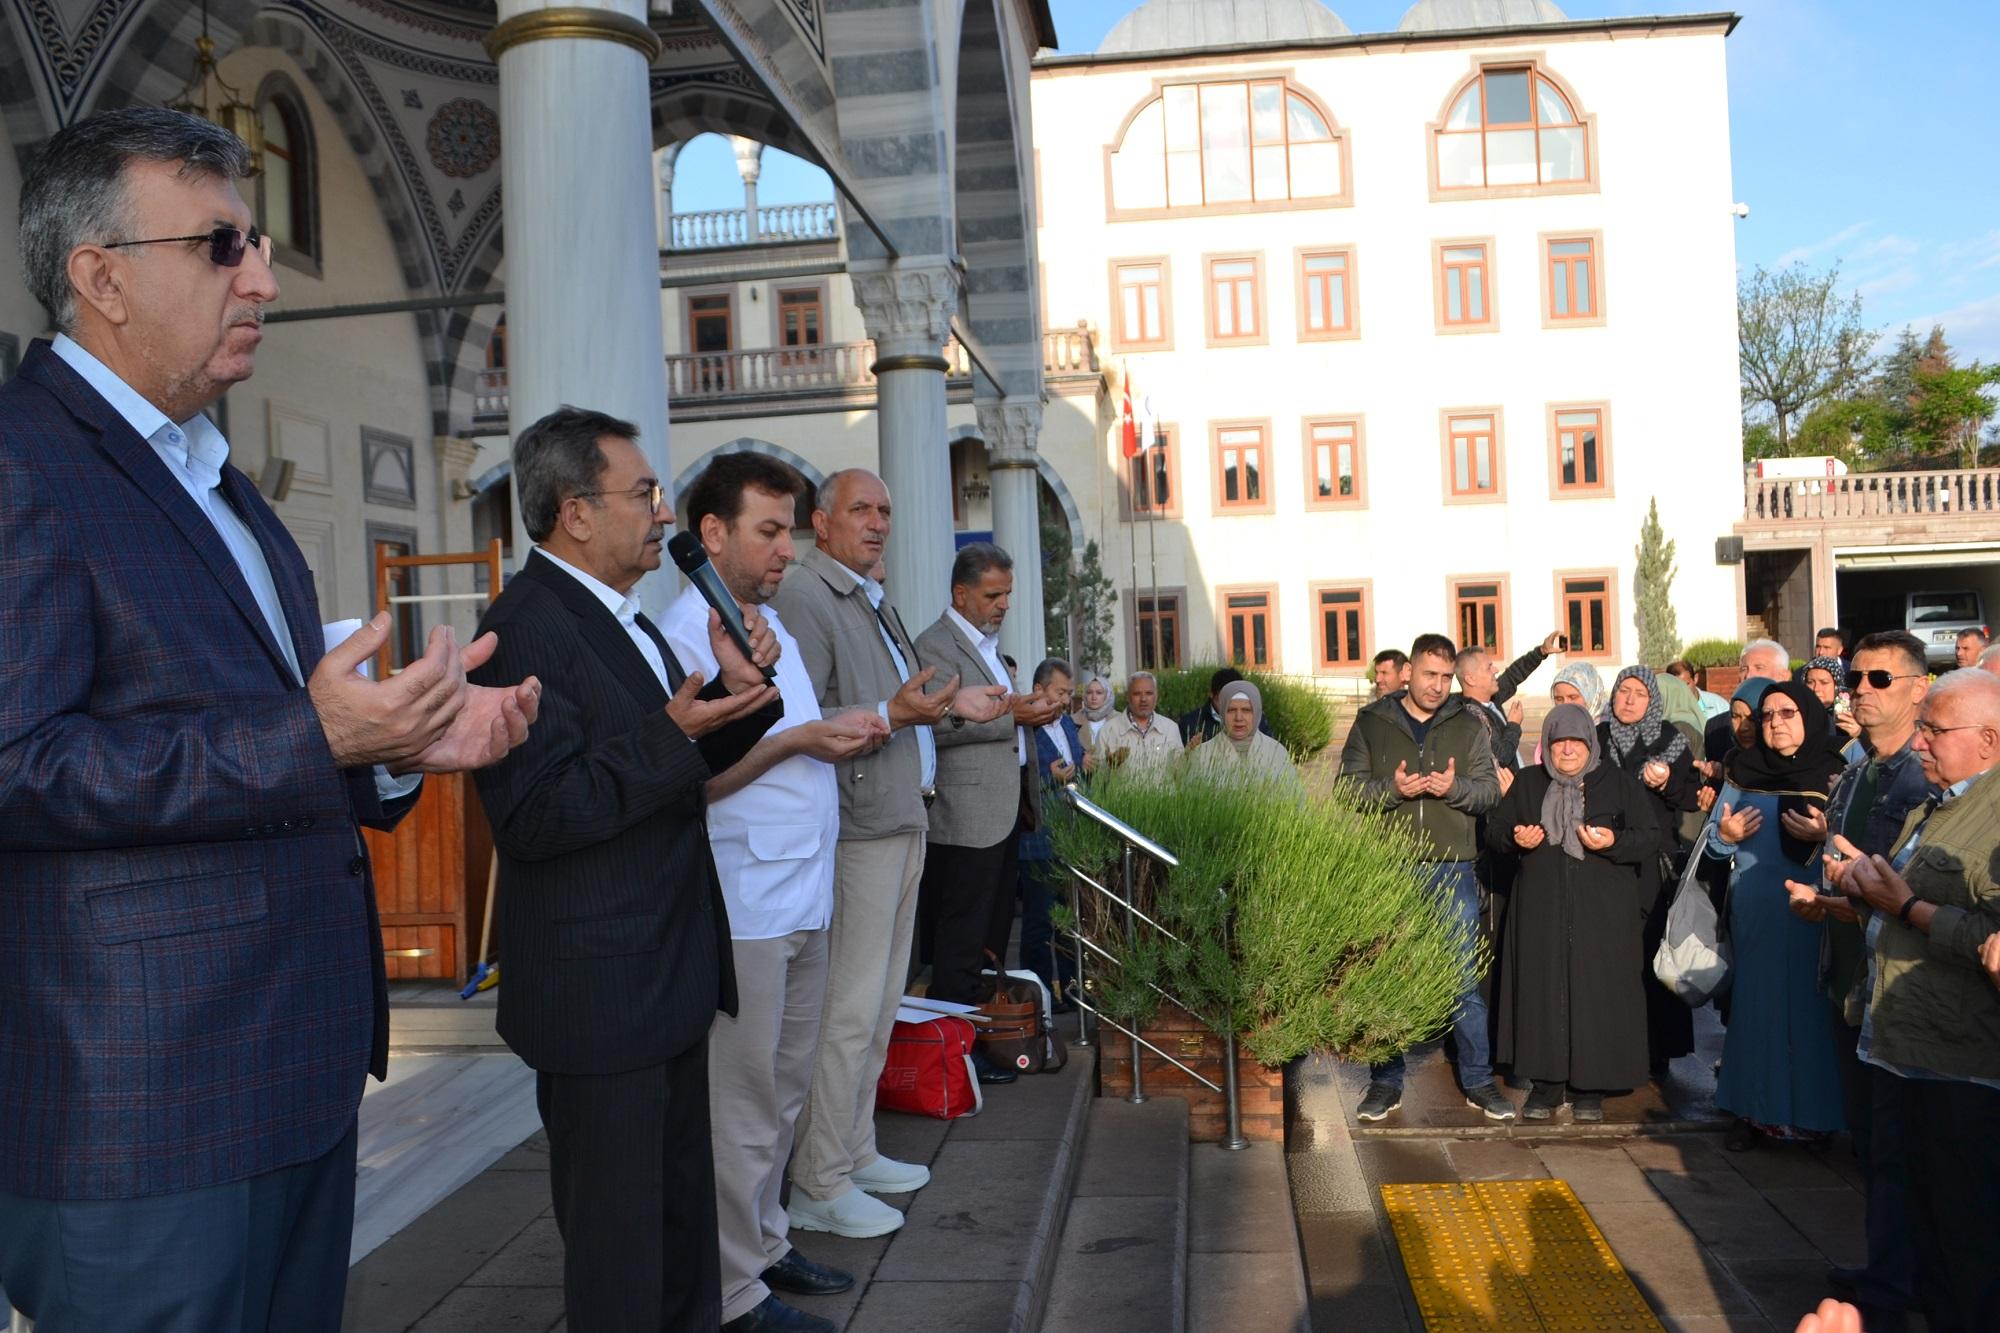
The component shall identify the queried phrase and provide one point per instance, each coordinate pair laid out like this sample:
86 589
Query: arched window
1228 147
288 187
1511 127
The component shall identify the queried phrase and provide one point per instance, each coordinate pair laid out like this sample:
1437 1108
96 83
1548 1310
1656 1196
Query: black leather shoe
989 1072
802 1277
774 1316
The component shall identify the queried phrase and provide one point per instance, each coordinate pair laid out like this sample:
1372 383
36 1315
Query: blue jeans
1469 1033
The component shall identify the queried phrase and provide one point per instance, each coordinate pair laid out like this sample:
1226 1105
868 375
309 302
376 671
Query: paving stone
859 1257
1672 1269
926 1307
1786 1166
1238 1202
489 1310
984 1212
1135 1150
1374 1307
912 1138
1702 1323
1403 1161
1033 1106
1344 1250
532 1259
1493 1159
419 1266
1682 1154
1784 1291
532 1155
1731 1218
1230 1292
1121 1267
1596 1174
1834 1221
1329 1180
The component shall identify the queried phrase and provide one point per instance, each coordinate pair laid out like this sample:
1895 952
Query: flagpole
1126 439
1149 466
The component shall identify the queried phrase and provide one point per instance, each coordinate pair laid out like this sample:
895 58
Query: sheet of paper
937 1006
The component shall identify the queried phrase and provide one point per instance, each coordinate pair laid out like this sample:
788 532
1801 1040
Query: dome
1435 15
1181 25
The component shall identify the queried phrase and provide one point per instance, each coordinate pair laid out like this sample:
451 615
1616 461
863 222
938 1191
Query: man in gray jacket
987 795
1424 758
860 656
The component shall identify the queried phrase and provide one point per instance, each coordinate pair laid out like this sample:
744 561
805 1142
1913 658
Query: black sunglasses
1877 679
226 245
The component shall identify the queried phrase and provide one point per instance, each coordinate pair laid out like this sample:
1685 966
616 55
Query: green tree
1798 343
1077 613
1652 588
1949 403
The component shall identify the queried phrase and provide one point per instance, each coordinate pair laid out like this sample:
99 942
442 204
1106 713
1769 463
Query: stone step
1245 1268
1122 1264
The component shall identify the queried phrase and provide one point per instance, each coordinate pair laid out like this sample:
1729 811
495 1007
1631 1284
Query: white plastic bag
1693 959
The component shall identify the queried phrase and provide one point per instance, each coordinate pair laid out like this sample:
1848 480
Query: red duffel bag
929 1070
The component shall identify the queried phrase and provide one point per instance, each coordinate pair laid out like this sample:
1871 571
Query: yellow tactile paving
1512 1255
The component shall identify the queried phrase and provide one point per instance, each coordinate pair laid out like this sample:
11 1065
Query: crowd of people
1833 810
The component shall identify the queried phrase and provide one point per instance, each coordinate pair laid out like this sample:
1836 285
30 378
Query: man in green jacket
1421 756
1931 1019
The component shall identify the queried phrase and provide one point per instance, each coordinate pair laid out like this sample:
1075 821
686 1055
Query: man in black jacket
611 918
1488 689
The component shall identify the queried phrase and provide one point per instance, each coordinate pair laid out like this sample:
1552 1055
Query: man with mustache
194 990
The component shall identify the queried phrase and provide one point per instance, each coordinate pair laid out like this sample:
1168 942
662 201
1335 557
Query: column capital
907 309
749 158
1011 430
574 22
455 454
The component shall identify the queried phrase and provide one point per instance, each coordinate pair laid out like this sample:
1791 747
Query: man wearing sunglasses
1869 804
192 962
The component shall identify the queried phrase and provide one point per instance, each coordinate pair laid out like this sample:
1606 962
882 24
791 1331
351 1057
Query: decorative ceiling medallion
464 137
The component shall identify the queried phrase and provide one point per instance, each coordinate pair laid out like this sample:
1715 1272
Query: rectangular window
1159 627
801 317
1479 608
1235 300
1241 481
1572 279
1139 300
1153 475
1472 456
1250 627
1467 290
1333 464
711 334
1587 613
1582 459
1326 294
1342 614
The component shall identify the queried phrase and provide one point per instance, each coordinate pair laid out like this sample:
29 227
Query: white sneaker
853 1214
886 1175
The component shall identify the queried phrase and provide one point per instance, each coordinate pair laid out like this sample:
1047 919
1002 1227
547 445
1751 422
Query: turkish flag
1129 427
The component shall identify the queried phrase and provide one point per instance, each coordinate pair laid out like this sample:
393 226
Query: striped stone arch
1072 512
748 444
23 109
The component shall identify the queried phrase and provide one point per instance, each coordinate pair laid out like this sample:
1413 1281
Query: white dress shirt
625 606
1059 739
926 743
774 839
195 452
988 648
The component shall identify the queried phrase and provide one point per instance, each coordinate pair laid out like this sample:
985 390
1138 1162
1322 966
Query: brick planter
1722 680
1173 1029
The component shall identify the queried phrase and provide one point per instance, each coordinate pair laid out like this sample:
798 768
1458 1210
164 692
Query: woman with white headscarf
1094 706
1241 752
1572 1004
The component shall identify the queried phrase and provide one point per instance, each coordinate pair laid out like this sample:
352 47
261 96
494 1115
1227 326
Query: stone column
454 458
583 284
907 310
1011 430
749 166
663 161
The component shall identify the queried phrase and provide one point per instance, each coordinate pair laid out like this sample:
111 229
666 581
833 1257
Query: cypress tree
1652 588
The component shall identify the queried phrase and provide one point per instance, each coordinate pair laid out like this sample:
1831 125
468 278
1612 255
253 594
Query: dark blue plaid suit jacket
191 986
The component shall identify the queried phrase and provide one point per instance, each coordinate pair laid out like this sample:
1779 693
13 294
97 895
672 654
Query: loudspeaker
274 480
1728 550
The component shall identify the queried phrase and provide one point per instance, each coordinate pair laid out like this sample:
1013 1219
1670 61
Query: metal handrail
1137 842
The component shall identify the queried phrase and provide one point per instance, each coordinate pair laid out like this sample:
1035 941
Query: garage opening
1933 594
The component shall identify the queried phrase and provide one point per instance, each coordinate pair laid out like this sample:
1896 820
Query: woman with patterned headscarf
1571 997
1637 738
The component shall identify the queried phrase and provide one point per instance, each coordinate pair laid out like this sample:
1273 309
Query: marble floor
436 1123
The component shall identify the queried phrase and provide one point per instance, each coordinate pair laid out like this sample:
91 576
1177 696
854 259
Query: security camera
1739 211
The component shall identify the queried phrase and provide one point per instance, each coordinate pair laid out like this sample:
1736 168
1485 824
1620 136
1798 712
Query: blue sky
1860 132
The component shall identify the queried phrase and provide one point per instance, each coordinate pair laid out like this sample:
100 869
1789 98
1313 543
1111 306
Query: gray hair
1763 646
1052 666
75 192
1981 687
1990 655
1469 659
557 458
829 489
1138 676
974 559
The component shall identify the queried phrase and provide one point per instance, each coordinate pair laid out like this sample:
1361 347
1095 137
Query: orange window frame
1347 647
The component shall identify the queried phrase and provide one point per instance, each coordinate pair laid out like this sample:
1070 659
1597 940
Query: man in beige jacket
860 656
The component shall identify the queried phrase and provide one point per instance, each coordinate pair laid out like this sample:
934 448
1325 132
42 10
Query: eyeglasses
1932 731
1878 679
226 245
652 492
1779 715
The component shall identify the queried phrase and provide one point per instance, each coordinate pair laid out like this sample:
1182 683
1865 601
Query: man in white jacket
773 821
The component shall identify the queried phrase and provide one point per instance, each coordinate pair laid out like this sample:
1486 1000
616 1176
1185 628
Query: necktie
910 667
674 673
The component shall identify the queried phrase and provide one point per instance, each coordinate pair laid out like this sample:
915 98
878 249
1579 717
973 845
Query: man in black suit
611 918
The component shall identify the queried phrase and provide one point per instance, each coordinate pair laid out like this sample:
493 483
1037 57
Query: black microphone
692 557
